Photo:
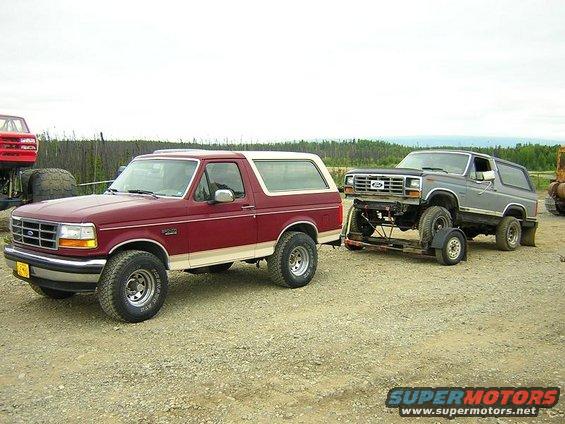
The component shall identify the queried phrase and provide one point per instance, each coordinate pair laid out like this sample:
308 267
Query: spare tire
433 218
52 183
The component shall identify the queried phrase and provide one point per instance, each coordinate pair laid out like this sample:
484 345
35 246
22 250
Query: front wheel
51 293
508 233
294 262
433 219
133 286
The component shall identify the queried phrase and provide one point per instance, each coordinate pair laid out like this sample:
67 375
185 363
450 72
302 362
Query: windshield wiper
112 190
139 191
431 168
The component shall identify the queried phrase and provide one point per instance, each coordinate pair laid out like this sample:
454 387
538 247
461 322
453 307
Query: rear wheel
508 233
294 262
433 219
133 286
51 183
51 293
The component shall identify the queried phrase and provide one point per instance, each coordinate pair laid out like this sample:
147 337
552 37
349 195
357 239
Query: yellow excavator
555 201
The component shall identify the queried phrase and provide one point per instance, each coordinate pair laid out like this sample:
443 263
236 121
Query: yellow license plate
22 269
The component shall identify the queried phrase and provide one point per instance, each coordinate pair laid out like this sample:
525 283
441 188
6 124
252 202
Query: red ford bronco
188 210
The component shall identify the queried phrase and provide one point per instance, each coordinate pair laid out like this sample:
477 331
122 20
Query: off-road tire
279 262
508 233
449 256
25 177
51 293
217 269
429 222
360 225
52 183
113 282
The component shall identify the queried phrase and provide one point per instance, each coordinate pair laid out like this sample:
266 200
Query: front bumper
51 270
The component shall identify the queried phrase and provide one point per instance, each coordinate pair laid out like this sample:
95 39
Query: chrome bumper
43 266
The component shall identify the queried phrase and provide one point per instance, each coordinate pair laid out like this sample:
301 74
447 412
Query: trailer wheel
51 183
433 219
360 225
508 233
51 293
453 249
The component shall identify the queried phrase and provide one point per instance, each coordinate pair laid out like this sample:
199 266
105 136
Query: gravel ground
234 347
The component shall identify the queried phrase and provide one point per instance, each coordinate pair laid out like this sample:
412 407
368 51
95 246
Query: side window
202 193
290 175
479 165
219 176
512 176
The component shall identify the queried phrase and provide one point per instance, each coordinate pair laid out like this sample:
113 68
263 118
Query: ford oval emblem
30 233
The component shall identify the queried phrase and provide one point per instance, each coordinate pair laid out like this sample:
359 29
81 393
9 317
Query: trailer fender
443 234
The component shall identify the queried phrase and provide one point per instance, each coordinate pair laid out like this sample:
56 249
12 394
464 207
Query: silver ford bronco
434 189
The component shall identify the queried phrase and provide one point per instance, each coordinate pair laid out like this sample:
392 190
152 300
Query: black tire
433 218
121 272
216 269
508 233
303 249
453 251
51 293
51 183
360 225
25 177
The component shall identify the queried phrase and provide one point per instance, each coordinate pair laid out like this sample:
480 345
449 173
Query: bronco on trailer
20 183
190 210
436 189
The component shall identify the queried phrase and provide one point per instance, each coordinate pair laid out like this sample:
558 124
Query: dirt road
235 347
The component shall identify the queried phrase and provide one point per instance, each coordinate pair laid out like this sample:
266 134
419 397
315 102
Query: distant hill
467 141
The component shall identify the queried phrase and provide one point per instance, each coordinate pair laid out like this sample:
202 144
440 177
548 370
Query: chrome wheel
512 235
454 247
140 287
298 261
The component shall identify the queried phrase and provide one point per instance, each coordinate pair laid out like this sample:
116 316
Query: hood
389 171
101 209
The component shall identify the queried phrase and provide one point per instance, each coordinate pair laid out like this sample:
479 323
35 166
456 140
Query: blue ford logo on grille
30 233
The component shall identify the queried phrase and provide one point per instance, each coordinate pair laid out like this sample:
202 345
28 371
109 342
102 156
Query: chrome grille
36 233
390 184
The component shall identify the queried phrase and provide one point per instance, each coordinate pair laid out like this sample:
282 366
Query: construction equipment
555 201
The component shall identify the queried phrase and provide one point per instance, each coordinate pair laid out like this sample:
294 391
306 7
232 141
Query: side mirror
489 176
120 170
223 196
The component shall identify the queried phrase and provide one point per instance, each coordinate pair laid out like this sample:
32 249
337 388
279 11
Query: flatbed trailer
448 247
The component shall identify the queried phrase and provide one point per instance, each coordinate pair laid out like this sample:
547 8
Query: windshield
12 124
452 163
162 177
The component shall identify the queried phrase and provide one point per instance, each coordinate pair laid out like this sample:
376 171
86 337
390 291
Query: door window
478 166
219 176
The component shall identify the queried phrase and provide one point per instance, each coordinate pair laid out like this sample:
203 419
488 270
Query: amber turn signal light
84 244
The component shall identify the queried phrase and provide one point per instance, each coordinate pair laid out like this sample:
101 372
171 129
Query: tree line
95 160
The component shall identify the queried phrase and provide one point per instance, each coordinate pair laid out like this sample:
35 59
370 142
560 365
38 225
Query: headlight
78 236
349 180
413 183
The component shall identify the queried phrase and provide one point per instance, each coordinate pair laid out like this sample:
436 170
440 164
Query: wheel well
516 212
146 246
305 228
447 200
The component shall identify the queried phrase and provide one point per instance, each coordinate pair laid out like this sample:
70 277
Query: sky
266 70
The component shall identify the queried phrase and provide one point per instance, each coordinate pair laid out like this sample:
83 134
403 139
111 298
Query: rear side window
290 175
512 176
